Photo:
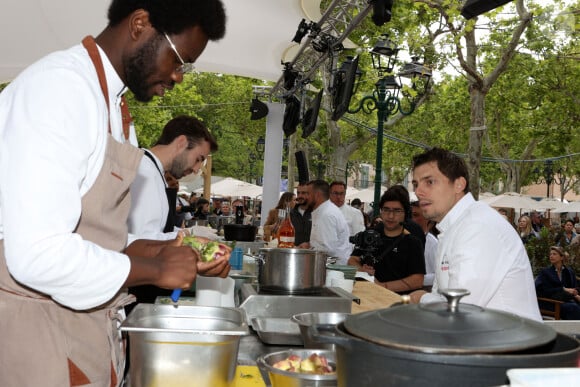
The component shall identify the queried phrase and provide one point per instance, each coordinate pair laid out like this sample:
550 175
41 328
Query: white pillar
272 158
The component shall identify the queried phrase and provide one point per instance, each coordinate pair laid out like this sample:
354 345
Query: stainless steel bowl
280 378
306 320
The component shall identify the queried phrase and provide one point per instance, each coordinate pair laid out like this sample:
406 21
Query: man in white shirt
478 250
64 262
353 216
330 231
181 150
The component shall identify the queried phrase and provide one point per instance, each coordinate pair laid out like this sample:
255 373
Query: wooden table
372 296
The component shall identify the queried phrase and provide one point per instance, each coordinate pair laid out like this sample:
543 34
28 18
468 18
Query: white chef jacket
149 206
53 136
354 219
431 243
330 232
479 251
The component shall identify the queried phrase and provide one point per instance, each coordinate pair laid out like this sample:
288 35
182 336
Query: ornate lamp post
260 148
385 98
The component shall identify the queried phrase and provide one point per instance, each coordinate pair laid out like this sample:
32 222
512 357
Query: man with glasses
64 125
398 262
478 250
354 217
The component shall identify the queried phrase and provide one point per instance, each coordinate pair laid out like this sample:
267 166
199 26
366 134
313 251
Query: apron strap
171 194
91 47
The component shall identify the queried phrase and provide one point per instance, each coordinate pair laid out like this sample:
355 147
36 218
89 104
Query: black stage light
258 109
301 32
291 116
290 76
382 12
473 8
311 116
344 87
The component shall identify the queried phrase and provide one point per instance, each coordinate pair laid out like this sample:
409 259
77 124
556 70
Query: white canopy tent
233 187
258 35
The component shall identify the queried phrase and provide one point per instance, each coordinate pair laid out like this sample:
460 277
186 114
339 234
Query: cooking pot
442 344
291 271
240 232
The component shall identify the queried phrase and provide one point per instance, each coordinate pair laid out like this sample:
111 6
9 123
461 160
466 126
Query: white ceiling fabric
258 33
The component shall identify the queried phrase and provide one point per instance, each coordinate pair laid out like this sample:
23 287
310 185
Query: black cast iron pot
442 345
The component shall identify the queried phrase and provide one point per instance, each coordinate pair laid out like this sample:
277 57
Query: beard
179 167
140 67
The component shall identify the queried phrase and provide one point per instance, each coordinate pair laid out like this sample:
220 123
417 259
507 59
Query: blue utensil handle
175 295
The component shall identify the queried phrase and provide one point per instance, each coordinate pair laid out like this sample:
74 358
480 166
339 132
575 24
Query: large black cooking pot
442 344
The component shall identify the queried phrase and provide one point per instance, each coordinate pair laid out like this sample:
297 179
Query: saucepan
291 271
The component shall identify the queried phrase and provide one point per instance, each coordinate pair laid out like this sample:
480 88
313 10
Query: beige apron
46 344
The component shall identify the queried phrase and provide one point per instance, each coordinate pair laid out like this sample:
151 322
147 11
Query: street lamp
260 148
252 162
385 98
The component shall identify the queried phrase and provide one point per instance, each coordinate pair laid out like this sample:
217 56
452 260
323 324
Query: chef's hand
171 268
368 269
416 296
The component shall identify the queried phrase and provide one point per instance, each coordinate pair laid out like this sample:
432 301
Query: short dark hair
336 182
190 127
397 193
320 186
174 16
450 165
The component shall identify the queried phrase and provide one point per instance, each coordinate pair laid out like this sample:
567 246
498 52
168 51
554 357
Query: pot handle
326 334
453 296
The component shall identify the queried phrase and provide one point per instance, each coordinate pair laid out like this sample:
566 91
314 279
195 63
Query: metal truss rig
323 42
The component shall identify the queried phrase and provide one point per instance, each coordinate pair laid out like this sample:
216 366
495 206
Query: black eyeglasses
338 193
392 211
185 67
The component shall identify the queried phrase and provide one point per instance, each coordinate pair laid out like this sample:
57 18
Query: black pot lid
451 327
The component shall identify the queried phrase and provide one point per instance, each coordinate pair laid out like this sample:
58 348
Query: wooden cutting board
372 296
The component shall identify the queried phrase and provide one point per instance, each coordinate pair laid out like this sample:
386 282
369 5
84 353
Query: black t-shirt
406 258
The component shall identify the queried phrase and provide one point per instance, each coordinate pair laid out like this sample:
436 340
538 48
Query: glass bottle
286 232
276 226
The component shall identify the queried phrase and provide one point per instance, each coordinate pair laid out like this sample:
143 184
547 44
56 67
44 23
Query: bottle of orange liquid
286 232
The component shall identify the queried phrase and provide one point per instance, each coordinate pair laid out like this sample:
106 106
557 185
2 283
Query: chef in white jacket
478 250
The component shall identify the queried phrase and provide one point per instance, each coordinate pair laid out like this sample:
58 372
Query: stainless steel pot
292 271
442 344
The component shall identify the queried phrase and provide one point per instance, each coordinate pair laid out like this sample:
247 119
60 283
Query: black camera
368 242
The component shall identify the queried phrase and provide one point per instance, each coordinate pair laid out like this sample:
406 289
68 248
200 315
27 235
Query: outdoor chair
549 308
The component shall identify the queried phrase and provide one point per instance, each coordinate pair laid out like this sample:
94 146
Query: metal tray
280 331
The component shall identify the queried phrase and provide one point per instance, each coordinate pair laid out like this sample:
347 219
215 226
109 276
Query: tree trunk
476 133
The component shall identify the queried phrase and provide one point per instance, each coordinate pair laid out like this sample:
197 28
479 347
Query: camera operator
396 259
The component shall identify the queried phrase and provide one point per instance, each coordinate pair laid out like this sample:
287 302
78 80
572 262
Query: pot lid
449 327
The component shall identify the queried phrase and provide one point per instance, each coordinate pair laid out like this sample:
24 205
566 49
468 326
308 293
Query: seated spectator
525 229
567 235
202 209
559 283
225 209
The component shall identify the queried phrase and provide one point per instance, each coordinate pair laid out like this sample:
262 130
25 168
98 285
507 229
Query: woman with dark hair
202 209
558 282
